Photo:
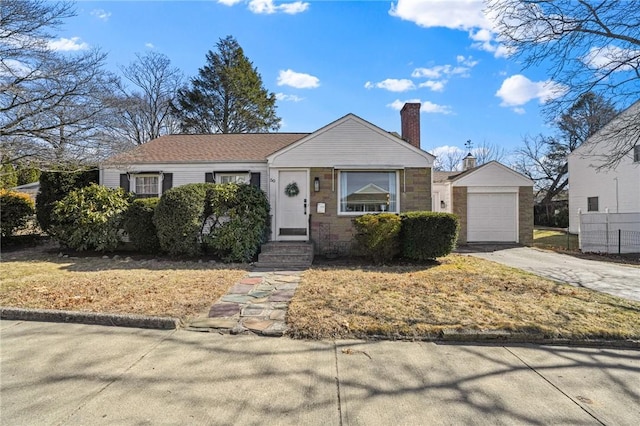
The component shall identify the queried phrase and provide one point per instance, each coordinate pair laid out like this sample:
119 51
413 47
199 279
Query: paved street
612 278
79 374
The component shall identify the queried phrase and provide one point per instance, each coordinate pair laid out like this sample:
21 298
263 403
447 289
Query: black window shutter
167 182
124 182
208 178
255 179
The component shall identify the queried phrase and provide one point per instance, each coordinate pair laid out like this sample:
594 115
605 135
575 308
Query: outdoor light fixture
442 204
316 184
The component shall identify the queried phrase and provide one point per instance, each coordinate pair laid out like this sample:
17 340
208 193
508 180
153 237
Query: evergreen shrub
15 210
138 224
238 219
378 236
179 218
427 235
90 218
54 186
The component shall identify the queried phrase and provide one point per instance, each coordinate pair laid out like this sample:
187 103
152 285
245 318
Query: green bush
378 236
8 176
54 186
239 219
15 210
427 235
90 218
179 217
138 224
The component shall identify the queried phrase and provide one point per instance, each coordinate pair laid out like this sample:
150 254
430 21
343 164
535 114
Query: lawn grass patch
553 239
41 280
458 293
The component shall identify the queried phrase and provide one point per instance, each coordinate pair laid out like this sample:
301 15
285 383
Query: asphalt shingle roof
208 148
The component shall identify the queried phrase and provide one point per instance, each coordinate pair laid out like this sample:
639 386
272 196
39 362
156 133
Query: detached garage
493 203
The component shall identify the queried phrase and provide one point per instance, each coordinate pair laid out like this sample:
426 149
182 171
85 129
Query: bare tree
51 104
450 158
146 108
487 152
590 46
544 158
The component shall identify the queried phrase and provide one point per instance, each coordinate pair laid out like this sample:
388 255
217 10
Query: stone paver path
258 304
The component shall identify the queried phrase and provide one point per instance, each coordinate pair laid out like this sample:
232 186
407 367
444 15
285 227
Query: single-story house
315 182
614 190
493 202
318 182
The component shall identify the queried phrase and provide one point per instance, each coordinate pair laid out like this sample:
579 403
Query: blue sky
325 59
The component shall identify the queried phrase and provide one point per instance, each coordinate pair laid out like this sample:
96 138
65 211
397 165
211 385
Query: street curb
91 318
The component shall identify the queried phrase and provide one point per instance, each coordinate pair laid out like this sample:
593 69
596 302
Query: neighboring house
615 190
347 168
493 202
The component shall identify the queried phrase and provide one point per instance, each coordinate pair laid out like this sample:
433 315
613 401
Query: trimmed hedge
378 236
240 216
427 235
138 224
15 210
90 218
54 186
179 217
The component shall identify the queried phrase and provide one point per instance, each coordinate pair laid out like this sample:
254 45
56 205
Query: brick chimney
410 121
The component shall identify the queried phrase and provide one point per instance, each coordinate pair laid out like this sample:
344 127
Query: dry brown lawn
40 279
459 293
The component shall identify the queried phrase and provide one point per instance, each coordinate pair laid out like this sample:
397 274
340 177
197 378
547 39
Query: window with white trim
232 177
368 192
592 204
147 186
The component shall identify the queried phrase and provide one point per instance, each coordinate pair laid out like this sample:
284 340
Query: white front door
292 219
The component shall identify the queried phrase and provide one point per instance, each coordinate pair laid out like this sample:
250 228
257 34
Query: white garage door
492 217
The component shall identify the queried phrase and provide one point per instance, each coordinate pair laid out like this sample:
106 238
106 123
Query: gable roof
518 179
630 113
229 147
441 177
390 137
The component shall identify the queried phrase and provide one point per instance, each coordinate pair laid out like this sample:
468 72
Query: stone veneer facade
334 234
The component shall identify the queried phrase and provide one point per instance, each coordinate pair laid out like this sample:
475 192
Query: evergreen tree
227 96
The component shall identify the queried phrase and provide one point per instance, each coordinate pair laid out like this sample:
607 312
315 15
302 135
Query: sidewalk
79 374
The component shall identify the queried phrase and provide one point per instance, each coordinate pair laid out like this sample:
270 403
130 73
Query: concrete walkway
257 303
53 374
612 278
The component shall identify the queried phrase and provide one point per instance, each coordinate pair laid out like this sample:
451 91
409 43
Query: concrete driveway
53 374
612 278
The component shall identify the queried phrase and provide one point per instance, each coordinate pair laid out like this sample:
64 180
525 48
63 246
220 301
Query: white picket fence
609 232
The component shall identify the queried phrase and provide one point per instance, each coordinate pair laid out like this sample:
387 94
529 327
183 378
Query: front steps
285 255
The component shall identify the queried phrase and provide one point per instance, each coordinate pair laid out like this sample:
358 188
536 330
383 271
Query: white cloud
297 79
439 74
427 107
11 67
101 14
517 90
268 7
149 46
431 108
392 85
463 15
519 110
68 44
434 85
288 98
456 15
440 151
612 58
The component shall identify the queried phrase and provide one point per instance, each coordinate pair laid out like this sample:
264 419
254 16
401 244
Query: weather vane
468 144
